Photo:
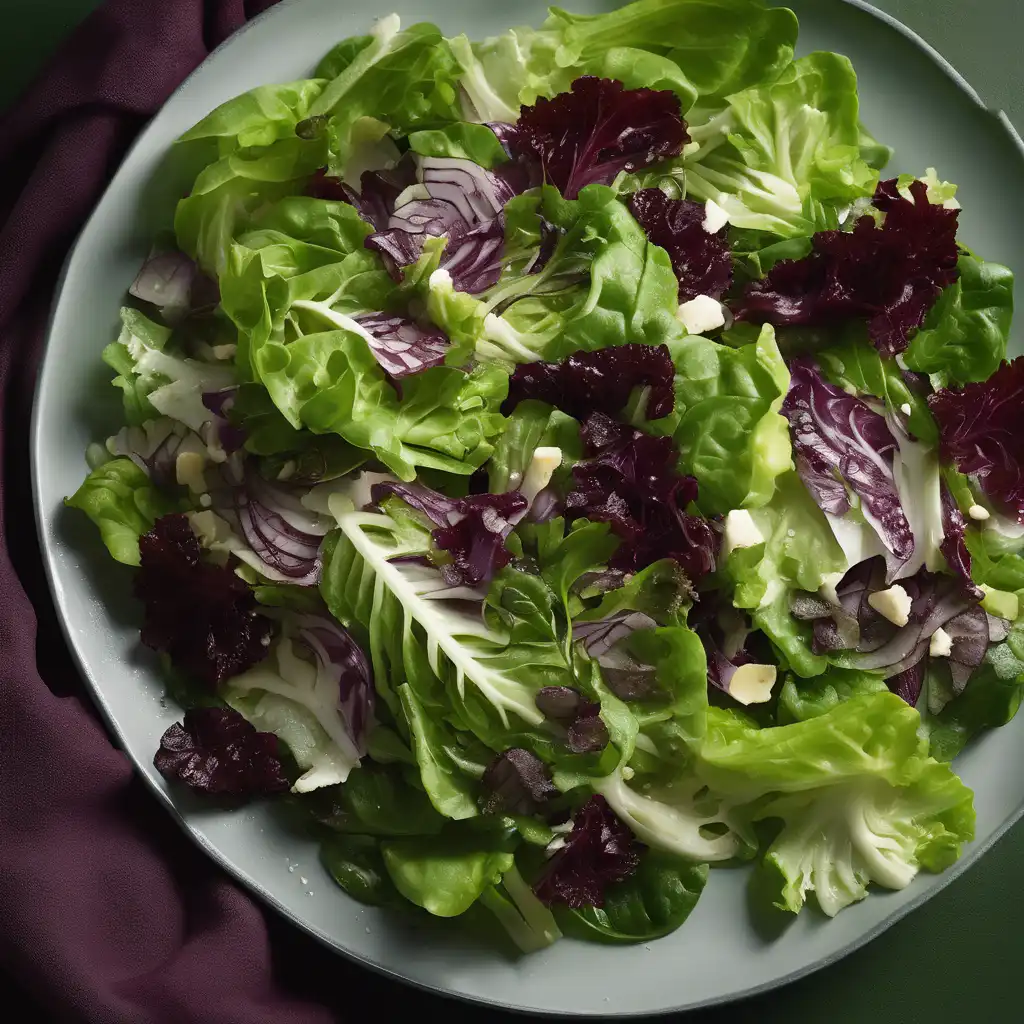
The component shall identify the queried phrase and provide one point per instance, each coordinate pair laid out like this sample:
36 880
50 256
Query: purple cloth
109 913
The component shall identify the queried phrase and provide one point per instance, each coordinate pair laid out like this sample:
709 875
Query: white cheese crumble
715 218
700 314
740 532
538 475
941 644
188 470
978 512
905 409
752 684
892 604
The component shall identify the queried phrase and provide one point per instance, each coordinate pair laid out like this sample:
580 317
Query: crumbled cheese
715 218
752 684
740 532
905 409
978 512
941 644
188 470
538 475
627 772
828 586
440 280
892 604
224 351
700 314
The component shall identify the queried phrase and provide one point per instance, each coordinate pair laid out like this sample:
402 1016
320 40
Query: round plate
909 98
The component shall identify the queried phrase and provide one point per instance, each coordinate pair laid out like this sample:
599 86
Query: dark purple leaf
838 438
463 203
599 381
701 259
969 632
725 632
228 435
981 430
599 851
202 615
378 190
909 682
402 346
953 546
472 530
629 480
888 276
343 659
517 782
283 533
217 752
168 280
596 130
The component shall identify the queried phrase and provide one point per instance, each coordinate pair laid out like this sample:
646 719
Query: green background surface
960 957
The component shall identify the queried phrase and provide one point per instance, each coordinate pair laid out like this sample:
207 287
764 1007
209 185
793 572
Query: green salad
560 464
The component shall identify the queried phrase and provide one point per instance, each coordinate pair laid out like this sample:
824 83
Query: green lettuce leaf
963 338
726 421
855 363
702 49
801 699
837 843
798 552
650 904
463 140
400 80
785 157
157 381
120 499
530 426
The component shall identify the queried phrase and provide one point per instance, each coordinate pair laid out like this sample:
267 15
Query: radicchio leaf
981 431
216 751
599 128
701 259
343 659
517 782
378 190
461 201
725 632
889 276
173 283
202 615
629 480
626 677
599 851
953 546
875 643
402 346
283 534
839 439
969 632
599 381
907 684
472 530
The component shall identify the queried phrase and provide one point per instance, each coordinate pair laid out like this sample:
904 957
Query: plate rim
241 875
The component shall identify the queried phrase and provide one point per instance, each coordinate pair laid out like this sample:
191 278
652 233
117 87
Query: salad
560 464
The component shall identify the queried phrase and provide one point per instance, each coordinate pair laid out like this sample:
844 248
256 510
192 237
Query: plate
909 96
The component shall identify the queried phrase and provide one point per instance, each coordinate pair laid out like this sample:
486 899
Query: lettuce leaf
784 157
120 499
727 420
963 338
702 50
